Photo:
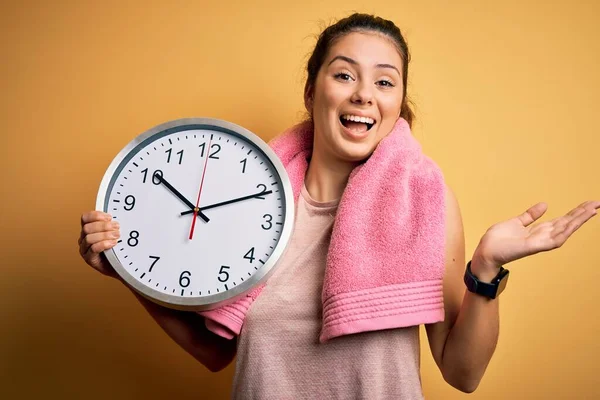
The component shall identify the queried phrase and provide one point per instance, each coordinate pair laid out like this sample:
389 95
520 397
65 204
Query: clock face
205 211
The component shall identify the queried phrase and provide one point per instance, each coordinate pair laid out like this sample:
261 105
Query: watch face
502 283
205 210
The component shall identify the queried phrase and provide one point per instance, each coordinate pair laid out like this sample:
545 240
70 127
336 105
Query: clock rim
239 291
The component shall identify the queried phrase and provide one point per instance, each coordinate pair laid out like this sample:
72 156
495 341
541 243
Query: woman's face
357 96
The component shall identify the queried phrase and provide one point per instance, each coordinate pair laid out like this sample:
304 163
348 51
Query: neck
326 178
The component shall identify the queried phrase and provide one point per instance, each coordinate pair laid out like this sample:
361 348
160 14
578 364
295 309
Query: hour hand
252 196
181 197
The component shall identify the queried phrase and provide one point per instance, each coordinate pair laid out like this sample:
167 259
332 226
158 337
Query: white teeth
356 118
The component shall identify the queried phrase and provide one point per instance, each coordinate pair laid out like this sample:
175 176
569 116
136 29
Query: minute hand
252 196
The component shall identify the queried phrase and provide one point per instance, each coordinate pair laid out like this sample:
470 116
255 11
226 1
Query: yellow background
507 94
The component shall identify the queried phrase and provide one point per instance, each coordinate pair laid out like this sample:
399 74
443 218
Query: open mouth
357 124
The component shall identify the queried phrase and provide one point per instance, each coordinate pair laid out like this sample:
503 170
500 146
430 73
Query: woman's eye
343 76
386 83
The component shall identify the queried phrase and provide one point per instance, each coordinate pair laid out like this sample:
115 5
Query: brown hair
361 23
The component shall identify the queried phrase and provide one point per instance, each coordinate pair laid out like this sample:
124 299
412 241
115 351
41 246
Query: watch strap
491 289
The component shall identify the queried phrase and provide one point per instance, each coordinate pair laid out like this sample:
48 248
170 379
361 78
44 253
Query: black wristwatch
491 290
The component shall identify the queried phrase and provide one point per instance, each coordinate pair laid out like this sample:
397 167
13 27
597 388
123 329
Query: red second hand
196 209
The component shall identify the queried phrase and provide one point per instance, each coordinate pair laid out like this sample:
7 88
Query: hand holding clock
98 233
152 255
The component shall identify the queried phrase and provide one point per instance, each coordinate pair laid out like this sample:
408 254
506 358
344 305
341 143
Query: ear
308 97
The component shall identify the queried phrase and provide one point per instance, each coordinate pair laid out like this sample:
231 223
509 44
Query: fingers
580 219
94 238
577 211
100 246
591 205
98 242
100 226
581 209
577 220
594 204
98 232
94 216
562 221
533 214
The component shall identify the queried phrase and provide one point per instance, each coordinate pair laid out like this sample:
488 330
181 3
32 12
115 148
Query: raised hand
518 237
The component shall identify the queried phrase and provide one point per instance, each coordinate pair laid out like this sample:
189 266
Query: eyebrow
354 62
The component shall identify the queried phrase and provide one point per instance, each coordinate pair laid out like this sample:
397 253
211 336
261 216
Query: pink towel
385 262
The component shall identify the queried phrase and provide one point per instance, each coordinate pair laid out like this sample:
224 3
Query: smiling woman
358 77
377 248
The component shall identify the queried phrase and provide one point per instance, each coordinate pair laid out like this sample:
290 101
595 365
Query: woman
355 94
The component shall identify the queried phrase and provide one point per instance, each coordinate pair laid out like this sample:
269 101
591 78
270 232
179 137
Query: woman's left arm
463 344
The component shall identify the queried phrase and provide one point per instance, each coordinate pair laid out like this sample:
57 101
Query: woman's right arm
187 329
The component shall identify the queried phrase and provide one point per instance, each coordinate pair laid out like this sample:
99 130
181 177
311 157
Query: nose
363 94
